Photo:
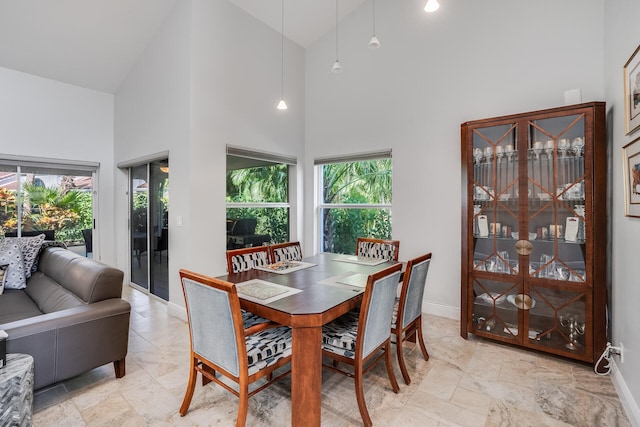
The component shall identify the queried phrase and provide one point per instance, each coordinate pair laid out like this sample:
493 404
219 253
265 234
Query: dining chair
221 344
408 308
362 339
288 251
239 260
377 248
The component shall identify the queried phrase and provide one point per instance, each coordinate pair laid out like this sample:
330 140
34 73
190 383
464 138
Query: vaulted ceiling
94 43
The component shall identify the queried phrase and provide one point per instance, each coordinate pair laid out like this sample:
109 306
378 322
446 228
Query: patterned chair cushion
394 316
250 319
249 261
288 253
340 335
376 250
267 347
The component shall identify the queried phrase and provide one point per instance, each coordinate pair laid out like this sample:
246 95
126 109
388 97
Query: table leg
306 376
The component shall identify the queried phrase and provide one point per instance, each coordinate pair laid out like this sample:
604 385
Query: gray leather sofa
70 318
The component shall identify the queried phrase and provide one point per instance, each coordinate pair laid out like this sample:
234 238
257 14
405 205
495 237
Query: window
46 196
355 200
257 198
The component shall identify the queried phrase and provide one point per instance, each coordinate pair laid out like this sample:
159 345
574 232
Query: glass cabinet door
557 233
495 226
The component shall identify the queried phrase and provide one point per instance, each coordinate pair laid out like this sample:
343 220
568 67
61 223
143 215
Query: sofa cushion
49 296
16 305
88 279
11 254
3 276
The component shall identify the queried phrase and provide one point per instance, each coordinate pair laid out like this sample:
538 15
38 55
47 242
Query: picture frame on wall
631 168
632 92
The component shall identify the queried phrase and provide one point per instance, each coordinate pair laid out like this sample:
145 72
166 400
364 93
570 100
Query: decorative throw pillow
46 244
11 254
30 247
3 276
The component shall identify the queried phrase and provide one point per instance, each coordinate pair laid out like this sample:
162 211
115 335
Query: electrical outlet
621 353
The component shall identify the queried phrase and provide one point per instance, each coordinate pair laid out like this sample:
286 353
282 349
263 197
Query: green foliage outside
265 184
359 183
65 210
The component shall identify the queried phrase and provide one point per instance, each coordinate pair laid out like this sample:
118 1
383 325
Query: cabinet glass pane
556 189
493 308
495 198
557 319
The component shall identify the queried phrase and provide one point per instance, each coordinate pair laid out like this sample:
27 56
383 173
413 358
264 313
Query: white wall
45 118
622 37
153 115
468 61
211 77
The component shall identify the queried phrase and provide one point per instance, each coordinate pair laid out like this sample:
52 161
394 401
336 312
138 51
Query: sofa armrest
69 342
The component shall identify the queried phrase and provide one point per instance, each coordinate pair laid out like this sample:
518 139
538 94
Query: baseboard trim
441 310
176 310
626 398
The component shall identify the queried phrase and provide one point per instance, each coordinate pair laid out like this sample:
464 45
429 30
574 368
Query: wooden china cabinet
534 230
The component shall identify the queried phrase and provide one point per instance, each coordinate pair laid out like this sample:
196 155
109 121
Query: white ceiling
94 43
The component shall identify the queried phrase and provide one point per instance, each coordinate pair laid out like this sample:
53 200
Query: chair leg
425 354
243 404
400 353
387 359
362 404
193 375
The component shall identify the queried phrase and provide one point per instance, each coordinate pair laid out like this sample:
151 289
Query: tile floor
465 383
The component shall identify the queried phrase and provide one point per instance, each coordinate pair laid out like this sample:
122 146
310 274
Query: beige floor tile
471 382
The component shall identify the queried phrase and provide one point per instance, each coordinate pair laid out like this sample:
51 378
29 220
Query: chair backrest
288 251
374 324
244 259
378 248
413 284
215 321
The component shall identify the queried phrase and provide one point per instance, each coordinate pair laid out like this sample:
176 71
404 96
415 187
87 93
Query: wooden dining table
318 303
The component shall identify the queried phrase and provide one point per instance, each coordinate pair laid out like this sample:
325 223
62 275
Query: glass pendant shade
431 6
282 105
336 67
374 43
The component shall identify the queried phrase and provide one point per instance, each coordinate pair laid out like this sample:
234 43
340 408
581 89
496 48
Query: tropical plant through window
62 203
258 195
356 202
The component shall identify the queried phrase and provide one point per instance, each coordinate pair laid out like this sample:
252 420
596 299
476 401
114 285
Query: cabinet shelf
545 187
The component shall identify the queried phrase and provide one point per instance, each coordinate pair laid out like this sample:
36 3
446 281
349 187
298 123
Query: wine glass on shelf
477 154
499 152
577 144
488 152
537 149
563 146
509 151
548 148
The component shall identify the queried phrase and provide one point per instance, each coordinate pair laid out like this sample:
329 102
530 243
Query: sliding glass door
149 230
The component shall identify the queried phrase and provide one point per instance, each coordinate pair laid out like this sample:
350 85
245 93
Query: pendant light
374 43
336 65
282 105
431 6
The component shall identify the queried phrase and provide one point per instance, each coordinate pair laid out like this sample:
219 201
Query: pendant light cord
336 30
374 17
282 53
